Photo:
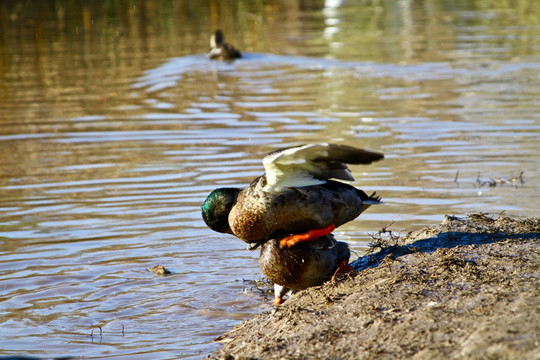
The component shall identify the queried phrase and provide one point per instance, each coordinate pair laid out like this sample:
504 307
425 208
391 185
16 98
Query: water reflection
115 126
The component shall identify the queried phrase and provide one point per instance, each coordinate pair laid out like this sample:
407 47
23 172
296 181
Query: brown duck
295 200
307 264
220 49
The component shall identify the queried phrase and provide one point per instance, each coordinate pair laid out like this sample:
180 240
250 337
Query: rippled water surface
114 127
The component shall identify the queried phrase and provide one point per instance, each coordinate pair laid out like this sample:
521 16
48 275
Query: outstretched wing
313 164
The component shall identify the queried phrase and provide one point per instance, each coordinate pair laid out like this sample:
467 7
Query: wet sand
467 288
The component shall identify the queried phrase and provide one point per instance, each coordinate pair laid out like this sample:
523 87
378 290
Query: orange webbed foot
310 235
278 301
343 268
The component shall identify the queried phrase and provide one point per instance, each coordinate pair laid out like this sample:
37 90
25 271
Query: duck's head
216 209
216 39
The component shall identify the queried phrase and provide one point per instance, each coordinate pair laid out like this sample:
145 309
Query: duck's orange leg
278 301
343 268
310 235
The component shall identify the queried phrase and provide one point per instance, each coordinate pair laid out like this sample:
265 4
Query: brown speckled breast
260 215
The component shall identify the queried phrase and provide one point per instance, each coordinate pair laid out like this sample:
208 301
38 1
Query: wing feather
313 164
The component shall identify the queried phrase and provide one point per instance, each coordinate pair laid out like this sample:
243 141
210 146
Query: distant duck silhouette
295 200
303 265
220 49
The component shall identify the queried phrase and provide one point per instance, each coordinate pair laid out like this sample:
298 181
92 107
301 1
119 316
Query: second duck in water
220 49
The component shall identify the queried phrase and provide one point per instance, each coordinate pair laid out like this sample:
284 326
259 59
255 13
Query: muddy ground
468 288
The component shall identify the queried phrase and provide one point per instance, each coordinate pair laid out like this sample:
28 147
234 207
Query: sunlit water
95 191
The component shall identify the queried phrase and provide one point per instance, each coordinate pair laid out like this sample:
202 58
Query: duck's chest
250 218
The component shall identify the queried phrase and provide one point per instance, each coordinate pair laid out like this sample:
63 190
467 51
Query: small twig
92 333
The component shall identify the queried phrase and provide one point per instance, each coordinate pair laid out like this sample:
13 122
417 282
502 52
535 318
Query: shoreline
467 288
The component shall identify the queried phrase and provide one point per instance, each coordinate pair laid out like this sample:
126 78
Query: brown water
114 127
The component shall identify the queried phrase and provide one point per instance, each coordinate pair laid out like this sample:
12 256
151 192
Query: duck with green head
220 49
295 200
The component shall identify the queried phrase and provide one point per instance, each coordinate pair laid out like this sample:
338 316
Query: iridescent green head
216 209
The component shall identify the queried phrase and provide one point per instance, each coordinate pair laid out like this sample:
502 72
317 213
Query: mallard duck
295 200
304 265
220 49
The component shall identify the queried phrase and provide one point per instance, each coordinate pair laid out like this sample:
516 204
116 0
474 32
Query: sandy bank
465 289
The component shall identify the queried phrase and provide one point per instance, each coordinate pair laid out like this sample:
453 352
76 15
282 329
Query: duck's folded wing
313 164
